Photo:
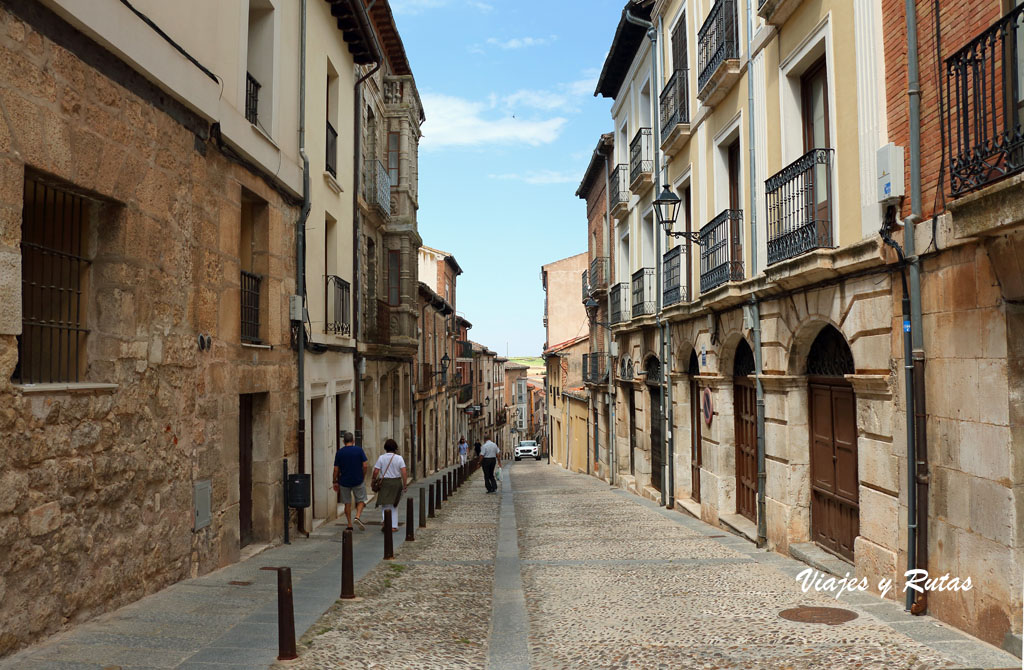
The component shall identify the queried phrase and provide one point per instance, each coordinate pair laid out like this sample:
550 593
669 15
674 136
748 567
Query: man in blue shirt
349 472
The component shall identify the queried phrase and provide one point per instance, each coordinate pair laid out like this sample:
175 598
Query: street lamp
591 306
666 208
445 362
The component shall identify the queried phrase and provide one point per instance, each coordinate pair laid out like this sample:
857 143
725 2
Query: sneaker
359 522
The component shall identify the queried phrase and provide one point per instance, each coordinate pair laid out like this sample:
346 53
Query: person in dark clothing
489 458
476 448
349 473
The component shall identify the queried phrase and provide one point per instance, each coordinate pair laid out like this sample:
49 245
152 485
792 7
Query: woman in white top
390 467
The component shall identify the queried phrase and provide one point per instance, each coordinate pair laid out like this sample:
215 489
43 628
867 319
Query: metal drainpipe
917 467
608 354
755 306
300 255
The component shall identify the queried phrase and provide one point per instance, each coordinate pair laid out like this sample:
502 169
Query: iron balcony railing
641 154
716 40
586 286
984 106
465 393
250 307
338 297
799 205
643 298
464 349
378 187
598 276
721 250
331 161
252 99
620 302
675 102
671 272
619 183
595 367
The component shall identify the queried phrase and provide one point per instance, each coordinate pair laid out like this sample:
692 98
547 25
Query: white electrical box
615 349
889 161
295 308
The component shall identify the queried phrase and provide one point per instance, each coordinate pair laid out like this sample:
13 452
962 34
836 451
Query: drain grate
832 616
240 583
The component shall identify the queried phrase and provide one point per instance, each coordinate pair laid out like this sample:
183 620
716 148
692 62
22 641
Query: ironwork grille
252 99
465 393
620 302
716 40
54 272
619 193
331 162
675 102
339 306
799 203
586 286
598 276
379 188
643 292
830 355
641 154
721 250
672 276
984 101
652 368
251 307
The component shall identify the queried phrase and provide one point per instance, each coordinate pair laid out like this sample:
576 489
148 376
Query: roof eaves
627 40
604 146
354 24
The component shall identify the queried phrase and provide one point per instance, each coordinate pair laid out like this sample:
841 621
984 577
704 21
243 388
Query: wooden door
745 406
695 439
245 469
657 457
632 432
736 204
814 104
835 501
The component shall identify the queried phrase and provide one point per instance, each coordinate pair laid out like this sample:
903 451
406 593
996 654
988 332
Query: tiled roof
627 40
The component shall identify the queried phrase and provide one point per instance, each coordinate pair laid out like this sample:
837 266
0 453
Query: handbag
378 480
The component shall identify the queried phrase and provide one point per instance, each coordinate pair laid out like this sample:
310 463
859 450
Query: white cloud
521 42
453 121
539 177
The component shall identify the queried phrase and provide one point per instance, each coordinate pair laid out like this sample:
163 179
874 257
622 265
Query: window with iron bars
54 279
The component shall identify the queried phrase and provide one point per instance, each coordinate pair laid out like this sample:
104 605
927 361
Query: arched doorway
745 413
653 380
695 419
835 500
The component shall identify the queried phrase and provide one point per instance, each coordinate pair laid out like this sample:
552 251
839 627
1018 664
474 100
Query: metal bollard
444 487
389 541
285 615
409 525
430 510
423 508
348 590
437 495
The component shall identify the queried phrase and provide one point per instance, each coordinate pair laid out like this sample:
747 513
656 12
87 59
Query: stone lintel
876 386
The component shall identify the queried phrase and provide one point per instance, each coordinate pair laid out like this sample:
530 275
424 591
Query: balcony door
735 204
814 112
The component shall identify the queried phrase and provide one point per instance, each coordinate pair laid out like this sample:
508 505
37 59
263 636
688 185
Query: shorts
347 492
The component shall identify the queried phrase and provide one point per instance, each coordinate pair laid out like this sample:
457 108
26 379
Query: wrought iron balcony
717 43
465 394
643 298
595 367
331 159
641 157
799 204
463 350
586 286
250 307
672 290
598 276
252 99
377 188
620 302
675 103
338 306
618 194
721 250
985 106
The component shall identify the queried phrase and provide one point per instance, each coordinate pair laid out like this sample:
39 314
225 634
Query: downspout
608 353
300 255
917 467
755 305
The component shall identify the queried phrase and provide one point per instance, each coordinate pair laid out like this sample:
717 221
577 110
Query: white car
527 448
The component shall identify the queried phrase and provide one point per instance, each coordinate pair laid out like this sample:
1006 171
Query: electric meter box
295 307
889 161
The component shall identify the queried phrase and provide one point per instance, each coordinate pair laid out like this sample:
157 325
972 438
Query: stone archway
652 380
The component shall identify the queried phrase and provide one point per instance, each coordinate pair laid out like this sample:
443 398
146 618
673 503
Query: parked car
527 448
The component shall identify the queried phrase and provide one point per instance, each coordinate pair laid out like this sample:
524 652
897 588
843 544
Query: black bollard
437 495
285 615
347 583
389 541
423 508
430 510
409 525
444 487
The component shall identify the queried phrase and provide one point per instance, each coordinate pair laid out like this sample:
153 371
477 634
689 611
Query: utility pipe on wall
300 255
608 353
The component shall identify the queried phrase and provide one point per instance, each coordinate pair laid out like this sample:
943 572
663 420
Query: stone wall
96 495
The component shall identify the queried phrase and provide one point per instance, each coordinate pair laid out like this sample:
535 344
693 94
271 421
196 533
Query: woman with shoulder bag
390 480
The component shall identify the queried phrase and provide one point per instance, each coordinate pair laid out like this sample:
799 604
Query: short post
285 615
437 495
409 525
389 541
423 508
430 510
347 583
287 510
444 486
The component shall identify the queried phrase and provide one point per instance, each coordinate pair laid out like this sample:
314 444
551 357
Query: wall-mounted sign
703 355
705 405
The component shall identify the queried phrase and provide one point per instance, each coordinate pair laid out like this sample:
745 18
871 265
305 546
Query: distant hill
528 361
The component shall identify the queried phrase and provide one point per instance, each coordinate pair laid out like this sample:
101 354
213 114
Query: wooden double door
745 406
835 501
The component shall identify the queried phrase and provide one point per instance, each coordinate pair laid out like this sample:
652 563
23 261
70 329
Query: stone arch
727 352
743 359
653 369
830 355
802 340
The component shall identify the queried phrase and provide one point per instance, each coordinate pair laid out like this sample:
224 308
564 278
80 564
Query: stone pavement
206 623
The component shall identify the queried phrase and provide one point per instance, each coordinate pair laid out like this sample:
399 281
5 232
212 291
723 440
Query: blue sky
511 124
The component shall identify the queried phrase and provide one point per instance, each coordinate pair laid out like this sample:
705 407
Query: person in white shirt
463 450
489 457
390 469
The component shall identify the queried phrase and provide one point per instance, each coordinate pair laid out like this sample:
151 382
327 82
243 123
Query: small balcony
675 112
463 350
718 53
465 394
985 106
643 297
721 250
641 161
586 286
331 157
776 12
252 99
377 189
799 206
338 306
620 302
618 194
672 290
250 307
598 277
595 367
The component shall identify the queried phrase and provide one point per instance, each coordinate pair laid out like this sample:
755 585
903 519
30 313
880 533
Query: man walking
463 450
349 474
489 457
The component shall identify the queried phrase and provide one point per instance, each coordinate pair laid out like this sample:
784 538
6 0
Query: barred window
54 281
